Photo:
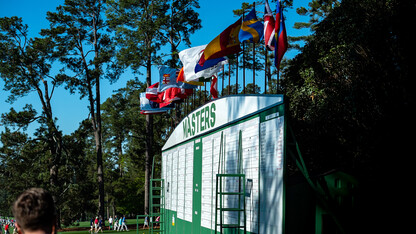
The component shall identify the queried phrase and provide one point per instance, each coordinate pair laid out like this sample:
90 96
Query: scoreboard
207 142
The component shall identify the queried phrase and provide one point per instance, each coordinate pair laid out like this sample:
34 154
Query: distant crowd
118 224
6 225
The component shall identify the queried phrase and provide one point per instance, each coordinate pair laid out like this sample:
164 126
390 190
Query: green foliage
19 119
22 166
78 30
24 68
348 94
183 21
141 38
124 143
349 98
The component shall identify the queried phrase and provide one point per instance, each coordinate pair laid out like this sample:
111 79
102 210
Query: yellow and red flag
224 44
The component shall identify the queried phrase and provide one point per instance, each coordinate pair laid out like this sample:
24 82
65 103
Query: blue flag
167 78
251 29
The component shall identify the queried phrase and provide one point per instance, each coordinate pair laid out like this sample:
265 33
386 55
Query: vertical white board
271 175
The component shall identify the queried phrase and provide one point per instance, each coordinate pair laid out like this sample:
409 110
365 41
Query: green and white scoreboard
245 130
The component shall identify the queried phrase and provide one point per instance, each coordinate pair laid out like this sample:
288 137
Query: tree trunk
120 154
149 142
99 150
54 144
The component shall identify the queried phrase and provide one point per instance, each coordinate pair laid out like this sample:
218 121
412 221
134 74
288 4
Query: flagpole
277 81
236 75
254 68
244 68
194 99
265 70
244 62
229 77
223 77
200 97
254 60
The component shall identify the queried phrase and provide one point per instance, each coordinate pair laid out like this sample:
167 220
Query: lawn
131 223
86 224
108 232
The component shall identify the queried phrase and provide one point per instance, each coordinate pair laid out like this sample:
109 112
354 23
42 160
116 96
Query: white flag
192 70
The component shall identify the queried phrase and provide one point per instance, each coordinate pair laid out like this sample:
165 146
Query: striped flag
281 37
269 34
224 44
194 72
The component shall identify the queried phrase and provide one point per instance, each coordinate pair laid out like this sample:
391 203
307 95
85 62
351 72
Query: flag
224 44
251 28
181 78
177 94
269 27
153 94
186 90
170 89
167 78
170 95
149 107
214 87
195 73
281 37
211 64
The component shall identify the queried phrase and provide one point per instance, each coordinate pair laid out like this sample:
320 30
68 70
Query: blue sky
215 15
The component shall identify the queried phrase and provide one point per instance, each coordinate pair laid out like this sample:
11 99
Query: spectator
100 225
146 222
92 225
6 229
119 224
124 223
96 224
34 211
115 223
110 221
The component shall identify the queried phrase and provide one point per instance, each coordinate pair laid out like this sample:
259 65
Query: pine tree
83 46
138 28
25 68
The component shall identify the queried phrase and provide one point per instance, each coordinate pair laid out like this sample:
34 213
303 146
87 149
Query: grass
108 232
131 231
86 224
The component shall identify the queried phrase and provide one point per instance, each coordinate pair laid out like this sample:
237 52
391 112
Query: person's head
34 211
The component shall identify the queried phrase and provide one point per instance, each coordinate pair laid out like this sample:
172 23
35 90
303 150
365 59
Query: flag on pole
281 37
251 28
178 94
193 72
167 78
224 44
269 27
149 107
170 90
214 87
181 78
153 94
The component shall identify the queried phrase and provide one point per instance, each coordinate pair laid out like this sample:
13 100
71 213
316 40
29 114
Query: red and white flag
214 87
269 27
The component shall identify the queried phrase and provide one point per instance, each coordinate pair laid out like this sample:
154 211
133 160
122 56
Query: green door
197 188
